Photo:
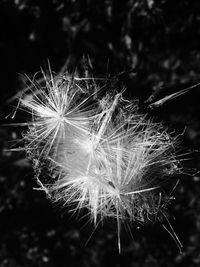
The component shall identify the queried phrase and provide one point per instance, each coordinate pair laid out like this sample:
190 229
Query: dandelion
100 152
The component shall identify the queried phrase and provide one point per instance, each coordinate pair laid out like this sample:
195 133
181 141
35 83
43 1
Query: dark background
157 45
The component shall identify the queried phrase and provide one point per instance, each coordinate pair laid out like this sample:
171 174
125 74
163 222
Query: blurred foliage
157 43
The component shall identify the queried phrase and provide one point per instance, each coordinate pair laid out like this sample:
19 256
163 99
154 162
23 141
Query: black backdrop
157 44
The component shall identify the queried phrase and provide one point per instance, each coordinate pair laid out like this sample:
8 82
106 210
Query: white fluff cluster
94 150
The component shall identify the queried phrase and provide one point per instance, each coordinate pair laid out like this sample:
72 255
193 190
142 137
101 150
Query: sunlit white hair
100 152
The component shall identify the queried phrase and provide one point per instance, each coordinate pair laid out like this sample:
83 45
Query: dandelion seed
101 154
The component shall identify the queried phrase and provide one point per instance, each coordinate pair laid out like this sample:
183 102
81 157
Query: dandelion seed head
101 153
